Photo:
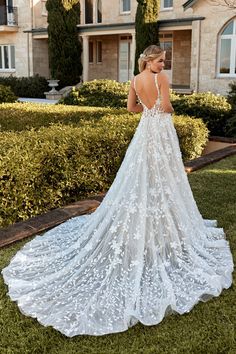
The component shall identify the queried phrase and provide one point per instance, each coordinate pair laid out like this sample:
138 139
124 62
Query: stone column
85 57
198 43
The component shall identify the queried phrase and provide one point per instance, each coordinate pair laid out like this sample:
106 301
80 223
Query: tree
64 46
146 26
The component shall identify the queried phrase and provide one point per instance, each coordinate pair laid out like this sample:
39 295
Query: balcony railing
8 16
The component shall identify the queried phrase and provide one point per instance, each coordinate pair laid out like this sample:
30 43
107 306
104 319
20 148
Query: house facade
199 39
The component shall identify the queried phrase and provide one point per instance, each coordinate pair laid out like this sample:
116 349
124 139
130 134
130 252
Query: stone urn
53 83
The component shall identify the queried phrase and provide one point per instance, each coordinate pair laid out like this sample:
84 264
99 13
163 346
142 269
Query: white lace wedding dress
144 253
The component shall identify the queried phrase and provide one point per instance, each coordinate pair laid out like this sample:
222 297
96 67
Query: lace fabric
144 253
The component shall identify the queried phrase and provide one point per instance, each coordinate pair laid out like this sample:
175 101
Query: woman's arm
132 105
165 93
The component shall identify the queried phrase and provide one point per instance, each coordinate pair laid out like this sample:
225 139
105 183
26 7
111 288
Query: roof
189 4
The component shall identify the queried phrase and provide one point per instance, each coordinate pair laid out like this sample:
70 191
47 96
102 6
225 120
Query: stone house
199 39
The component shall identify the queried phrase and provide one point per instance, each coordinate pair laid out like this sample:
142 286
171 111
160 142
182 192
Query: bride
144 253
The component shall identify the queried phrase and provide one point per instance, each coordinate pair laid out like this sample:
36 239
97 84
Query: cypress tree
146 28
64 45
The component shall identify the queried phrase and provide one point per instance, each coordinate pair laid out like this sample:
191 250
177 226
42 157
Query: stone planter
53 94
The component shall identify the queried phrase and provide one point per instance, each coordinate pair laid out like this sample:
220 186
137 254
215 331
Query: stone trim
189 4
106 26
41 223
179 21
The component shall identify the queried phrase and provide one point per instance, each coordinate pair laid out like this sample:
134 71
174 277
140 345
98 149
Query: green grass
208 329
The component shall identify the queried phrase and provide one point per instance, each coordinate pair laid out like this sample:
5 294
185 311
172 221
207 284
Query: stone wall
40 57
108 69
181 57
215 19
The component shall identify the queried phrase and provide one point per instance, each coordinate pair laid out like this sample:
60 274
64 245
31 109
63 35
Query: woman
144 253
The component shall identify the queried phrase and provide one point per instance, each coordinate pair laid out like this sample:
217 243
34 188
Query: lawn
208 329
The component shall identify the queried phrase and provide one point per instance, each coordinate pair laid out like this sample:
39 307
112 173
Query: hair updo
150 53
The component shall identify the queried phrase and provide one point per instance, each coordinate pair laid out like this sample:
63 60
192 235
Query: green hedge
6 94
46 168
34 86
213 109
24 116
230 127
192 134
100 93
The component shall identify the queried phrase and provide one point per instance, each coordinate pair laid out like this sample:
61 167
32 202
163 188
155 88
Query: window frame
85 13
10 68
122 12
232 73
97 9
163 8
97 50
91 45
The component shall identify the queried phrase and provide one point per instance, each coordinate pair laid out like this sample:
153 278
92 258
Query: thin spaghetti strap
135 83
156 83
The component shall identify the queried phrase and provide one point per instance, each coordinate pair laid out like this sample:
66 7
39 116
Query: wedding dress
144 253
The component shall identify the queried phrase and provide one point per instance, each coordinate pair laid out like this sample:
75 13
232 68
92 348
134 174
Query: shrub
192 134
46 168
6 94
230 127
213 109
33 87
24 116
100 93
232 95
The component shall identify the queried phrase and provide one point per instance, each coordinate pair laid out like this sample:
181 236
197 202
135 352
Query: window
166 4
88 11
125 5
166 43
99 51
99 11
227 50
7 57
91 55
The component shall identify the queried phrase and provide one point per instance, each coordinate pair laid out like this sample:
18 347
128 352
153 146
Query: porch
108 51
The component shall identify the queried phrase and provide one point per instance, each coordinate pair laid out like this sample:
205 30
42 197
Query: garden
52 155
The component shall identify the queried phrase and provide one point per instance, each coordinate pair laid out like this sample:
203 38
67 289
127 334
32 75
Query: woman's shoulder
162 77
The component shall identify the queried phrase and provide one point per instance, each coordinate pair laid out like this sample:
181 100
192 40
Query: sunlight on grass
207 329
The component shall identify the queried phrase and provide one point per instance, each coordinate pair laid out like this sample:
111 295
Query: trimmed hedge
192 134
100 93
213 109
6 94
230 127
24 116
32 87
47 168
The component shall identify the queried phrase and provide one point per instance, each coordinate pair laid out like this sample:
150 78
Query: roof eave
189 4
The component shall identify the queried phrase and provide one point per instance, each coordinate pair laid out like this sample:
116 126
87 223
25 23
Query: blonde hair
150 53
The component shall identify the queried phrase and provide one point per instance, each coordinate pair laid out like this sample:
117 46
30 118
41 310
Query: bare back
150 88
146 87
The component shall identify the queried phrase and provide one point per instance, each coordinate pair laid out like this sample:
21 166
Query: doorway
125 61
166 43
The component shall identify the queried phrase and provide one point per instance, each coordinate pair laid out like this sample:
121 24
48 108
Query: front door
166 43
125 62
